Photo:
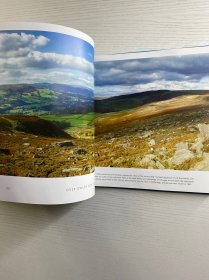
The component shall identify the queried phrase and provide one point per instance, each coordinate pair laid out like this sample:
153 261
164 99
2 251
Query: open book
149 111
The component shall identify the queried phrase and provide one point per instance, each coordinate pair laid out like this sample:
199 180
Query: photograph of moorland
153 113
46 105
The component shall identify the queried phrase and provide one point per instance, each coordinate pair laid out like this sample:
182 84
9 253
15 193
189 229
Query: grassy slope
75 120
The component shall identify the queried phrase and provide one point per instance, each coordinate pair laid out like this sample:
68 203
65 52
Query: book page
46 114
152 120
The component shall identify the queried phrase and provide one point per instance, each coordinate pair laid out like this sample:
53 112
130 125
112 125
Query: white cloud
22 62
43 60
14 44
30 76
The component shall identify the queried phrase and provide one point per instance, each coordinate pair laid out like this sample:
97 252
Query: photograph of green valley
153 113
46 105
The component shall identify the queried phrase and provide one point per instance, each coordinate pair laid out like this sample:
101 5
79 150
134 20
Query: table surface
119 234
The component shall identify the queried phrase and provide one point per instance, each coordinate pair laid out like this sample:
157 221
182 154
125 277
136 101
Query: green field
74 120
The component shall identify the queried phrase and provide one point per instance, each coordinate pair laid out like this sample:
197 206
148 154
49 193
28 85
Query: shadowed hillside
130 101
32 125
167 134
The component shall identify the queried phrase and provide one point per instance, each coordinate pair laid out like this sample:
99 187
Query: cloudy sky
39 56
138 75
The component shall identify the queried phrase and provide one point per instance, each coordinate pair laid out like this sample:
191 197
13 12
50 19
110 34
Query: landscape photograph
153 113
46 105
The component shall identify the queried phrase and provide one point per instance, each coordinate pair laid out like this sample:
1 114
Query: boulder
204 131
148 160
159 165
26 144
5 151
197 146
181 146
80 151
64 144
151 142
202 165
182 153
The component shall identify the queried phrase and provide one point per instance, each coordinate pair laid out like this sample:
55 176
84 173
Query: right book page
152 120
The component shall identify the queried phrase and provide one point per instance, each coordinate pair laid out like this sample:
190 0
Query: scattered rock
5 151
148 160
30 175
182 146
192 129
197 146
40 163
151 142
66 170
64 144
86 168
203 165
159 165
26 144
72 169
204 131
145 134
80 151
182 153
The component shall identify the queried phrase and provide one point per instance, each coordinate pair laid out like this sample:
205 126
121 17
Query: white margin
153 179
36 26
151 54
47 191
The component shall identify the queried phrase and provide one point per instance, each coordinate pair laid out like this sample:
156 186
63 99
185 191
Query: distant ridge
133 100
45 98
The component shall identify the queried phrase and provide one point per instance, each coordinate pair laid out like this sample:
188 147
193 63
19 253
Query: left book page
46 114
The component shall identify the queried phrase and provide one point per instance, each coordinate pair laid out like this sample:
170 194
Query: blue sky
40 56
63 44
187 72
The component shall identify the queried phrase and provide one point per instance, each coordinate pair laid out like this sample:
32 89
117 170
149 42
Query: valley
46 130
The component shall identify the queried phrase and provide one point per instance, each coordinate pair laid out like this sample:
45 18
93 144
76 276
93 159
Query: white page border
36 26
152 54
47 190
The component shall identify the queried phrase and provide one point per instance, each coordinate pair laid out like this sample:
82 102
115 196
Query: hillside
113 121
31 125
130 101
33 147
43 99
169 134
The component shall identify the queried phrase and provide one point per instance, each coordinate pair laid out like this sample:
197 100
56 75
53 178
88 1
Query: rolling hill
44 98
134 100
183 103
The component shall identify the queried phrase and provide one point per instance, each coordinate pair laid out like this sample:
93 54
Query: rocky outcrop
204 131
150 161
182 154
203 164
